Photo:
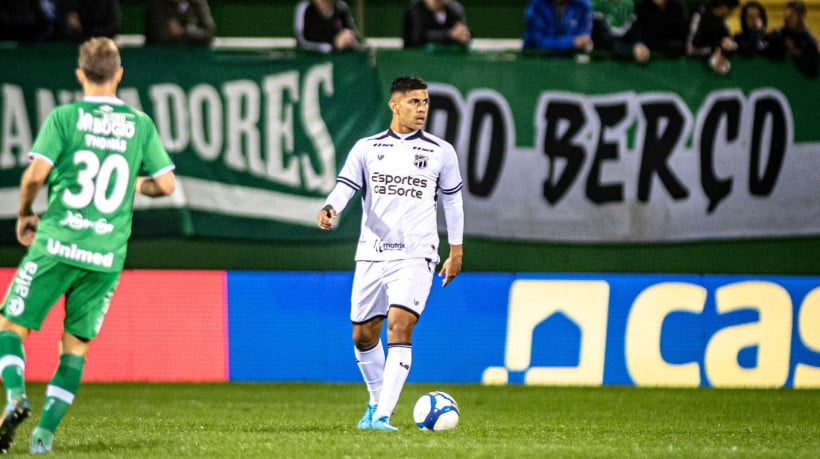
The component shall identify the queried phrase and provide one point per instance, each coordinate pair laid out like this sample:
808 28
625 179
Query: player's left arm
451 201
34 177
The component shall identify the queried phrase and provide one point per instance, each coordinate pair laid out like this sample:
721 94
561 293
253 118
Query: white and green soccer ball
436 411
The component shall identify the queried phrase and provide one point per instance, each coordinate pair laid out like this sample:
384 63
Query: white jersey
400 178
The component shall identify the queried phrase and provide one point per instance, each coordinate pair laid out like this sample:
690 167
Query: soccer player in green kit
90 153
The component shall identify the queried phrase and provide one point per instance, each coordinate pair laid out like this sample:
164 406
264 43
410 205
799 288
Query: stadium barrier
491 328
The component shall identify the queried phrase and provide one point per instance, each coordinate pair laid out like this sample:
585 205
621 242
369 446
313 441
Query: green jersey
97 147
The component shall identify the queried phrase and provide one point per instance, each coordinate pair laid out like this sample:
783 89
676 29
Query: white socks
371 364
396 369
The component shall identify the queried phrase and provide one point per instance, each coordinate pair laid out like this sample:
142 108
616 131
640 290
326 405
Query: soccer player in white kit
401 172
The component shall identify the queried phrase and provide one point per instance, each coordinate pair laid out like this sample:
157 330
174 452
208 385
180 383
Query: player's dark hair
99 59
407 83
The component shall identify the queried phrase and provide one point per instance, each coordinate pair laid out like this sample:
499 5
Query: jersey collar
103 100
416 135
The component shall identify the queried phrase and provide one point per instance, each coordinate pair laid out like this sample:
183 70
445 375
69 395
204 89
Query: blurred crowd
637 30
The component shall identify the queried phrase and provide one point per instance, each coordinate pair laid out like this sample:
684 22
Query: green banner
550 149
256 136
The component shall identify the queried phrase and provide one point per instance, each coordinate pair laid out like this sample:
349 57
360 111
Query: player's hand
450 269
26 227
327 218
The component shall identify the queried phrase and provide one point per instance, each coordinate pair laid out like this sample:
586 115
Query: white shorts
378 285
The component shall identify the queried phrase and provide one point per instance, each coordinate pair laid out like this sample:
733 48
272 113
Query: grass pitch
296 420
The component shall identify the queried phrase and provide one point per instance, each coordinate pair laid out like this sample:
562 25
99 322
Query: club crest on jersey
420 161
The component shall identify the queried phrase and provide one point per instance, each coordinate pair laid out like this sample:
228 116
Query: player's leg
400 323
60 391
86 306
367 311
408 285
37 284
12 363
367 347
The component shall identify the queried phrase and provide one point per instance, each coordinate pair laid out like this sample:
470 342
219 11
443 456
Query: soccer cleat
383 423
366 422
41 440
16 412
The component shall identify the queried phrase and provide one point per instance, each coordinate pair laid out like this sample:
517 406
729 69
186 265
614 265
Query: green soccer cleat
383 424
41 440
16 412
366 422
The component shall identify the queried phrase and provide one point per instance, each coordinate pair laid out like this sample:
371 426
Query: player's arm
161 185
34 177
453 205
345 187
454 217
336 202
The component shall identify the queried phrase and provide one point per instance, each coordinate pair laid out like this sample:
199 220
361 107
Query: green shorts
41 280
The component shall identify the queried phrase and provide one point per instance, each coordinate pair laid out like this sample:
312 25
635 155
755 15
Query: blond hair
99 59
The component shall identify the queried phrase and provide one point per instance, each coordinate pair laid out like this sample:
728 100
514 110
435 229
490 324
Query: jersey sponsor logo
75 253
104 121
24 277
381 246
22 284
77 221
420 161
397 185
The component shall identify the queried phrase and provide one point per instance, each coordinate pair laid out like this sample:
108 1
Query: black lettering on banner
443 106
609 115
714 188
561 148
657 148
767 107
476 184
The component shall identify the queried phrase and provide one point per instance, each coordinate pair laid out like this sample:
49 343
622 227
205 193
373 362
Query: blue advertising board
533 328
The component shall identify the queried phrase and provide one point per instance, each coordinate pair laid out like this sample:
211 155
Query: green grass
318 420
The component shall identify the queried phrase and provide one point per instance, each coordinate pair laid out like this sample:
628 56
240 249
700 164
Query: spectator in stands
612 29
794 39
325 26
26 20
438 22
79 20
662 26
178 22
709 34
559 25
751 40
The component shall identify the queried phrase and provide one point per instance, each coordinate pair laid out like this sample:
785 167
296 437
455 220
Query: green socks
12 364
60 391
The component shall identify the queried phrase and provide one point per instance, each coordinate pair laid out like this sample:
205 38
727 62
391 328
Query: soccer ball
436 411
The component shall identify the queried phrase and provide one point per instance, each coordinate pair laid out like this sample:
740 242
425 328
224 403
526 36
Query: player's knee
364 339
400 330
